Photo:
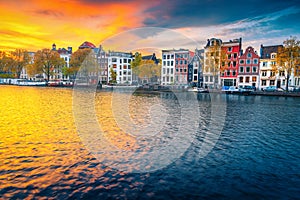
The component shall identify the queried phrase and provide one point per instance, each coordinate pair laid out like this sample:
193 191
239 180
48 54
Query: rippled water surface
42 154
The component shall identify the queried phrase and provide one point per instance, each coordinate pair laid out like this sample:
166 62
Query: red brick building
230 62
248 73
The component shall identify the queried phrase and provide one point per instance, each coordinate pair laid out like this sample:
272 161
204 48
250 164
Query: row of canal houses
223 64
217 66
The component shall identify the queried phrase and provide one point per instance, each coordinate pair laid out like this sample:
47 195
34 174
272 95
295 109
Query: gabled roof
266 51
151 57
87 44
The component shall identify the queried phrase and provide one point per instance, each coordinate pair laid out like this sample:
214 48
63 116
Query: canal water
214 147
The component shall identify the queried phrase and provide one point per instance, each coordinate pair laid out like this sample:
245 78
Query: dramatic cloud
35 24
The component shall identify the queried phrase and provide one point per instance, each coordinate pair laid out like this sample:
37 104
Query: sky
136 24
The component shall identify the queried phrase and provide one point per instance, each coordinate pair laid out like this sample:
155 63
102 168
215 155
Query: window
172 62
168 63
206 78
114 60
273 63
247 79
164 63
171 79
233 73
229 49
195 71
168 70
264 64
242 61
272 73
272 82
229 56
211 78
235 55
168 56
180 69
181 62
255 61
248 69
264 73
254 79
184 69
164 70
164 56
263 82
241 69
241 79
281 73
185 62
234 63
254 69
125 60
249 55
176 62
171 70
172 56
129 67
248 61
120 60
229 64
177 69
273 55
228 73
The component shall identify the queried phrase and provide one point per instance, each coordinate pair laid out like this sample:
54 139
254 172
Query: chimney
54 47
70 50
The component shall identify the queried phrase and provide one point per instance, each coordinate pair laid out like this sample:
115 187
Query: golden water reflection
40 150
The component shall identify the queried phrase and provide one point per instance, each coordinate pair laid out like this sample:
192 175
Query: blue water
257 156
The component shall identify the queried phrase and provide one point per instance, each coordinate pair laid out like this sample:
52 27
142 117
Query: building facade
195 72
268 75
174 69
119 62
211 65
229 60
248 71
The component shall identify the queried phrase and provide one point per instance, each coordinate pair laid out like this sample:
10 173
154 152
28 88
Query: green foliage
113 76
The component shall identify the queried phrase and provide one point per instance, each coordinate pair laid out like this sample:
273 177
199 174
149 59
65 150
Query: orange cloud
37 24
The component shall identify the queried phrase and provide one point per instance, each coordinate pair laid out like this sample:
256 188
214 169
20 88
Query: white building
268 75
120 63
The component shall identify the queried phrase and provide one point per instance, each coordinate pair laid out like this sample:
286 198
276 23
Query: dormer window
273 55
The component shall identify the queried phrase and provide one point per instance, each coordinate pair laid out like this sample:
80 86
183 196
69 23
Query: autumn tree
113 76
76 61
46 61
21 59
5 65
145 69
288 58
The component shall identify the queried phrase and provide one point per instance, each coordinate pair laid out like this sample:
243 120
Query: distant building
120 63
86 45
248 71
175 66
102 60
211 65
195 72
268 75
66 55
230 62
151 57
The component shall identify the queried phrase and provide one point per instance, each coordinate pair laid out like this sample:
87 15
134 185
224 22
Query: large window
263 82
272 82
248 61
254 69
264 73
255 61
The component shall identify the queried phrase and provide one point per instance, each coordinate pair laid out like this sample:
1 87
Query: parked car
270 89
247 88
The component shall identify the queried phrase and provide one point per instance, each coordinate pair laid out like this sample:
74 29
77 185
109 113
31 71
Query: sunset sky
35 24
